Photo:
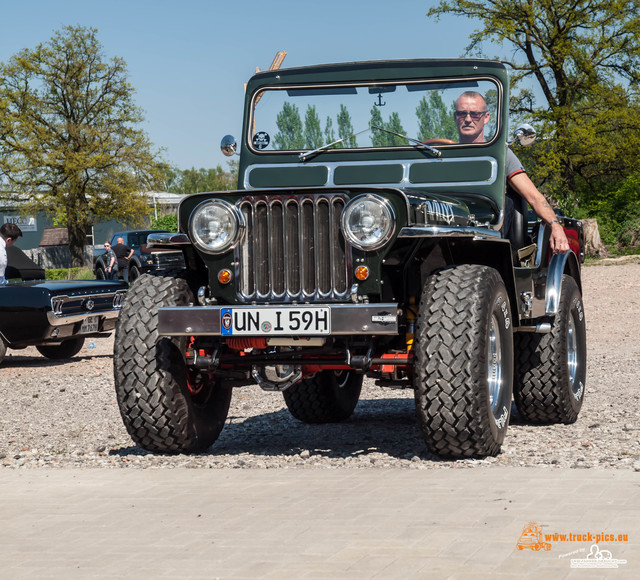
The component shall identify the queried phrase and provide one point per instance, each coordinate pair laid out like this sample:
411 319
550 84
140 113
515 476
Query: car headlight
368 222
216 226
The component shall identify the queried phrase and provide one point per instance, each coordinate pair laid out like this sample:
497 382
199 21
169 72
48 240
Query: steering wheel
439 142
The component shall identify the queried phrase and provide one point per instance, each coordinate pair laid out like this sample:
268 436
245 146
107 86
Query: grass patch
69 274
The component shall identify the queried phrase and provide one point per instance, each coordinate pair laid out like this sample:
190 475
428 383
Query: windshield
374 115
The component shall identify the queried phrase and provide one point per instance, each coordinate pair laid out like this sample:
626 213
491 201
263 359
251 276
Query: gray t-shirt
513 165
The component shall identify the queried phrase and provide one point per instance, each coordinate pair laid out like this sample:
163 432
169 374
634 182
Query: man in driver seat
471 116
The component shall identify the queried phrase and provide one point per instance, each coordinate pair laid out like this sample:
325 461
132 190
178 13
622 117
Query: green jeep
364 240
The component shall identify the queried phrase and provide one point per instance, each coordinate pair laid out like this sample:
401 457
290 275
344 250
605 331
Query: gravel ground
65 414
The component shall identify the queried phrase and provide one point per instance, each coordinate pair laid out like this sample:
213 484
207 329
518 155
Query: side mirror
525 135
228 145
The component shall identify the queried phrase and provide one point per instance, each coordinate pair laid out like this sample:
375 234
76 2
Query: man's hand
525 187
558 240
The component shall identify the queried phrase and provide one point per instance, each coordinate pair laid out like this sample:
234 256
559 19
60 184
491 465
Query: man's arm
3 264
523 186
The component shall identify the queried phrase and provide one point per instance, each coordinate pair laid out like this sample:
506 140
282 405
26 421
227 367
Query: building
48 244
39 230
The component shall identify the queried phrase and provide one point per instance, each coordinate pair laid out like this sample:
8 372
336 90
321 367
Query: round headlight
368 222
216 226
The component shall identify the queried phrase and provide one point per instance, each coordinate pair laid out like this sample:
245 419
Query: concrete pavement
317 524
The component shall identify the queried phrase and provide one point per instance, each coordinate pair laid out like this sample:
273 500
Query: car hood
71 287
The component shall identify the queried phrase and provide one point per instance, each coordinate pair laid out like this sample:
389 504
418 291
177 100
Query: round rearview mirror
228 145
525 135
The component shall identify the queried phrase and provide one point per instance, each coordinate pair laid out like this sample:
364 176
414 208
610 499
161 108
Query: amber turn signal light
362 273
224 276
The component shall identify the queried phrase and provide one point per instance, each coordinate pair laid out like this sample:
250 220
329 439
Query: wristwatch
555 222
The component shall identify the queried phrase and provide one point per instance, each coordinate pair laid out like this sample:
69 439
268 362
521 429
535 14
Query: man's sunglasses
475 115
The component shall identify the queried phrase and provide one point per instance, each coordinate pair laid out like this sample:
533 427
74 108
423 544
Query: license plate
89 325
300 321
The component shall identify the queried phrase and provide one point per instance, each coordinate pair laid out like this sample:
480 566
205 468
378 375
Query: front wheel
463 373
551 368
326 397
66 349
165 406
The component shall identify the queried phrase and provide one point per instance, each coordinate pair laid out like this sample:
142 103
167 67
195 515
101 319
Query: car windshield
374 115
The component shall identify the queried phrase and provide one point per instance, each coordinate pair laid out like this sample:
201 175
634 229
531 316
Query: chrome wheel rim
495 366
572 353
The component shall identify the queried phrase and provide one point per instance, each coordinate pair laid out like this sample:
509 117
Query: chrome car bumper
56 321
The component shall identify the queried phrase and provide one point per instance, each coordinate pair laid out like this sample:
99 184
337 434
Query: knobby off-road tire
463 373
159 410
326 397
66 349
3 350
550 369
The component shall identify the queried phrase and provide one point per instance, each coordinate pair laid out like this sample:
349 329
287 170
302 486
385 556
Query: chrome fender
559 264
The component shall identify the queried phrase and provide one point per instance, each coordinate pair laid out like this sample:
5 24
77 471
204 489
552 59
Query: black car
55 316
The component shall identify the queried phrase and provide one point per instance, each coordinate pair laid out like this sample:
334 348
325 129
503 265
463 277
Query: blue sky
189 59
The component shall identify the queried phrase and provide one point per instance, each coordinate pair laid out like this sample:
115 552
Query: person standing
110 262
123 255
9 233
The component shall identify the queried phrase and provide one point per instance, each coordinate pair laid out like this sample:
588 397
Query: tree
69 142
434 120
289 136
378 138
381 138
168 221
329 134
394 124
345 129
199 180
312 130
582 57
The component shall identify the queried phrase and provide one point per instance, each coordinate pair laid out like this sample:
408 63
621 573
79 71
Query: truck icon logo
531 538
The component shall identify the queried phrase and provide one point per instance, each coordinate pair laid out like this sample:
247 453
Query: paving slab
308 524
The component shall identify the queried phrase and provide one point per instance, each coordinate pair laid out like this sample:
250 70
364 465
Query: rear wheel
165 406
134 273
66 349
551 368
463 371
326 397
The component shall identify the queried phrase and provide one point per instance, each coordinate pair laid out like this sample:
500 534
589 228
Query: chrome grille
166 260
65 305
57 303
118 299
293 249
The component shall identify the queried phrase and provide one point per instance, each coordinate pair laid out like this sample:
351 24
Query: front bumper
108 318
64 327
346 319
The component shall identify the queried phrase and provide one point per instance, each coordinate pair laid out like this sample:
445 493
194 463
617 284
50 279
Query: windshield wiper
307 154
435 152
